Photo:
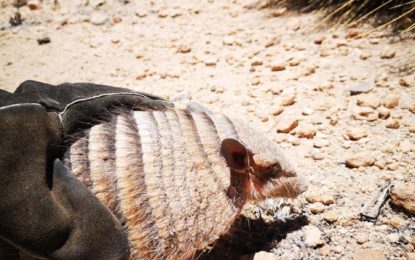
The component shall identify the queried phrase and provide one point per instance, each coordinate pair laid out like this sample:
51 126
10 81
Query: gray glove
44 210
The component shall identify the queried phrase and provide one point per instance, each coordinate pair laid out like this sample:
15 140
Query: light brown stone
288 100
317 208
369 254
294 62
319 39
276 110
402 195
277 67
184 49
387 53
362 238
325 198
381 164
331 216
307 111
355 133
33 4
404 83
383 113
325 250
306 131
369 100
312 236
319 142
365 113
391 101
286 124
210 61
365 55
256 62
393 123
362 159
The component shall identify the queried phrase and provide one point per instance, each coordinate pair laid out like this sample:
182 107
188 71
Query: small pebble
320 143
392 166
360 88
33 4
391 101
288 100
306 131
331 216
312 236
184 49
383 113
273 41
307 111
325 199
43 40
387 53
402 195
362 238
404 83
325 250
228 40
98 18
276 110
210 61
316 155
319 39
381 164
286 124
362 159
277 67
294 62
365 55
256 62
365 113
393 123
368 100
317 208
355 133
293 140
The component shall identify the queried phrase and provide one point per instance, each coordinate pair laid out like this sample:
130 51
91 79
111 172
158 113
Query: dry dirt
275 68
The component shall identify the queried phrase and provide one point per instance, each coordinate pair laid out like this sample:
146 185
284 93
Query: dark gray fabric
44 210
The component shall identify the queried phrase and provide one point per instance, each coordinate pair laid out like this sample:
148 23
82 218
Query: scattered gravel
330 98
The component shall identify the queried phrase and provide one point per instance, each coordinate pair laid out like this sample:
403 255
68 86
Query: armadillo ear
235 154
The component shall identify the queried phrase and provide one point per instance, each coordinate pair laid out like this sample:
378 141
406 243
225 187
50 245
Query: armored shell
178 178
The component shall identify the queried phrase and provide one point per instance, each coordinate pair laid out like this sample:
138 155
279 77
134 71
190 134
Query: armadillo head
266 171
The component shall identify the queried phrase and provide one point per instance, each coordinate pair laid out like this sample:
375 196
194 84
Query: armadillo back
161 173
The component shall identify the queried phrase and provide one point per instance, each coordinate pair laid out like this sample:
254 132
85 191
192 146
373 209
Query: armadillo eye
272 173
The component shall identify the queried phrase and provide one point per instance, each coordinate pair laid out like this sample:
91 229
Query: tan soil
244 60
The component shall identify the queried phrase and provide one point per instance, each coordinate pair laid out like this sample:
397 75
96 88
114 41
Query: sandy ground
273 67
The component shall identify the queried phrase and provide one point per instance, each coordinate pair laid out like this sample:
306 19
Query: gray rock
360 88
98 18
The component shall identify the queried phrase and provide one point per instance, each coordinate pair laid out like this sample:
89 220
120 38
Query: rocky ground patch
343 107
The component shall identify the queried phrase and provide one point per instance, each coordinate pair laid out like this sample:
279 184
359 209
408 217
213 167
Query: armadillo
178 178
